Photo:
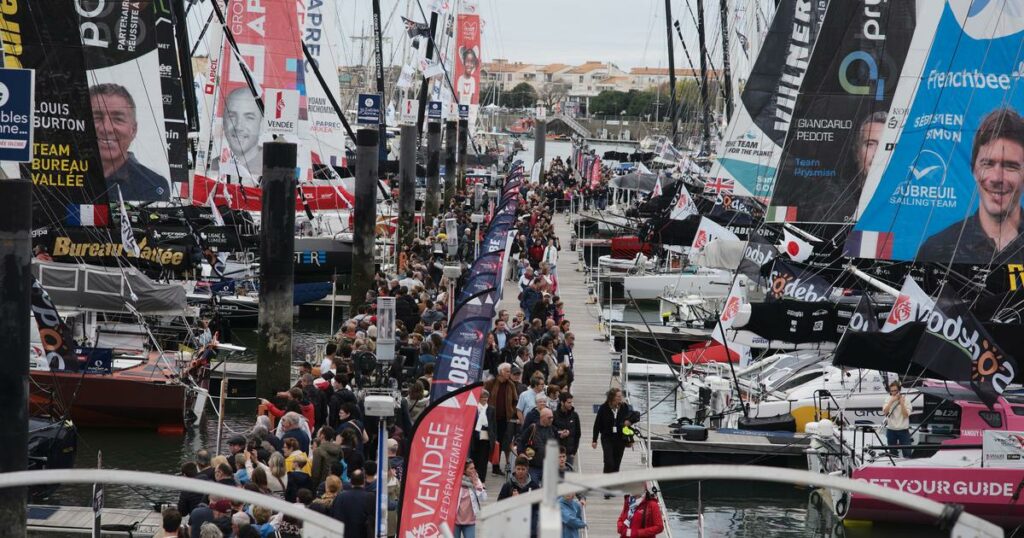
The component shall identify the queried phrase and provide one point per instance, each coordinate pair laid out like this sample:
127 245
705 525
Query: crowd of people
314 446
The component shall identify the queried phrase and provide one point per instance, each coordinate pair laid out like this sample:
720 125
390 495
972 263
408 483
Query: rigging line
202 33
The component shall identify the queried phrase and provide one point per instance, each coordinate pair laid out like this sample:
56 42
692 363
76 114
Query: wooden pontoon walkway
593 369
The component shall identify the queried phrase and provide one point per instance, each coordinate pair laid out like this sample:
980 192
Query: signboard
451 227
282 114
386 329
467 60
434 110
369 109
1002 449
410 107
463 112
17 88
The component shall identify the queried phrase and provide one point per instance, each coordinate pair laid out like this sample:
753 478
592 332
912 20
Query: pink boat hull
985 492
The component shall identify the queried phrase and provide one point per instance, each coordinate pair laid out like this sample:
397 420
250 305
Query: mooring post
277 270
15 298
451 131
407 188
365 216
432 201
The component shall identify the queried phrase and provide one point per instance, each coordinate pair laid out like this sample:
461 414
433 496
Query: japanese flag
797 249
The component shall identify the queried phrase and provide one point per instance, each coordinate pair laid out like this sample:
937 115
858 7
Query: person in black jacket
567 426
354 507
406 309
612 416
189 500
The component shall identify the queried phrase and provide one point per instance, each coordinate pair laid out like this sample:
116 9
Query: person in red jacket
641 516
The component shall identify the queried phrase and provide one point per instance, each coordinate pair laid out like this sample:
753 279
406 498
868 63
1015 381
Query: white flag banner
433 69
535 172
913 304
684 205
709 230
737 298
657 190
797 249
127 237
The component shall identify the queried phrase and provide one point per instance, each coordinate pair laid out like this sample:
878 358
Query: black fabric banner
787 280
172 86
772 87
65 169
842 108
797 322
54 334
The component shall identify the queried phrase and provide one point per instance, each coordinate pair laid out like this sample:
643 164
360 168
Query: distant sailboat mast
671 73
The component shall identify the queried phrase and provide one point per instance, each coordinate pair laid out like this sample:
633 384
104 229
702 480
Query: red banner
319 197
467 63
440 442
267 34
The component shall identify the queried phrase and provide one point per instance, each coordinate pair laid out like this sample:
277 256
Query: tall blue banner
951 192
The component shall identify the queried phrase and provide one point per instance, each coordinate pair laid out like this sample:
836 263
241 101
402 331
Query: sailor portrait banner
951 192
439 444
842 109
125 93
467 61
267 37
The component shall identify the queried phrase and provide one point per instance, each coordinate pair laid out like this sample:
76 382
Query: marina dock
46 520
593 369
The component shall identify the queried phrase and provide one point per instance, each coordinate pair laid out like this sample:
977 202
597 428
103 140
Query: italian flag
781 213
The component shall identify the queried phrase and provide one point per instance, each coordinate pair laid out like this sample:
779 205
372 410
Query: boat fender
694 432
949 516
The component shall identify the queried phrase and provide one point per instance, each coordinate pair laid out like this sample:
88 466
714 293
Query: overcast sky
629 33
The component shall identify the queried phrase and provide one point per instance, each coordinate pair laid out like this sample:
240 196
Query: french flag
88 215
870 245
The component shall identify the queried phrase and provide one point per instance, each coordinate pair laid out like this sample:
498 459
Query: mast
378 55
671 71
426 81
706 109
726 75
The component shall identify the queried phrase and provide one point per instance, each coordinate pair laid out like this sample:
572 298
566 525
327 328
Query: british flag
719 185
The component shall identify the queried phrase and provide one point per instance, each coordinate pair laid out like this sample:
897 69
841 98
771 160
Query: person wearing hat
218 512
236 444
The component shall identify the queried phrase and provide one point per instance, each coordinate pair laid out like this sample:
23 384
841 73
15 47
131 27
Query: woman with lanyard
612 418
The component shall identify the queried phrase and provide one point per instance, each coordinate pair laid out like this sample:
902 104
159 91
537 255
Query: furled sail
752 146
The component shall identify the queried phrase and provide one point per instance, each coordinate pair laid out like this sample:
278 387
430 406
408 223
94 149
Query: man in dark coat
355 508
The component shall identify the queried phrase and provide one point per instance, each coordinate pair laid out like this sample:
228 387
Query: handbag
495 456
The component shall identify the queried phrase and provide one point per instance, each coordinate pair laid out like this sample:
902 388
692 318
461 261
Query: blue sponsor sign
17 89
463 112
434 110
944 181
369 109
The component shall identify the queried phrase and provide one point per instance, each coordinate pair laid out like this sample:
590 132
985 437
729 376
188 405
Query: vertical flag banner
65 170
439 444
120 43
322 134
171 86
842 108
127 237
265 33
753 141
467 61
951 191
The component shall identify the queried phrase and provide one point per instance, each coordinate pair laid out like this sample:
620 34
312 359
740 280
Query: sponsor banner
265 33
65 168
684 206
751 148
1002 449
97 246
460 360
386 329
175 124
439 444
16 112
786 280
119 39
321 131
953 485
912 304
708 231
467 60
282 113
235 196
207 88
842 108
757 252
957 170
54 335
864 318
223 238
957 346
368 112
